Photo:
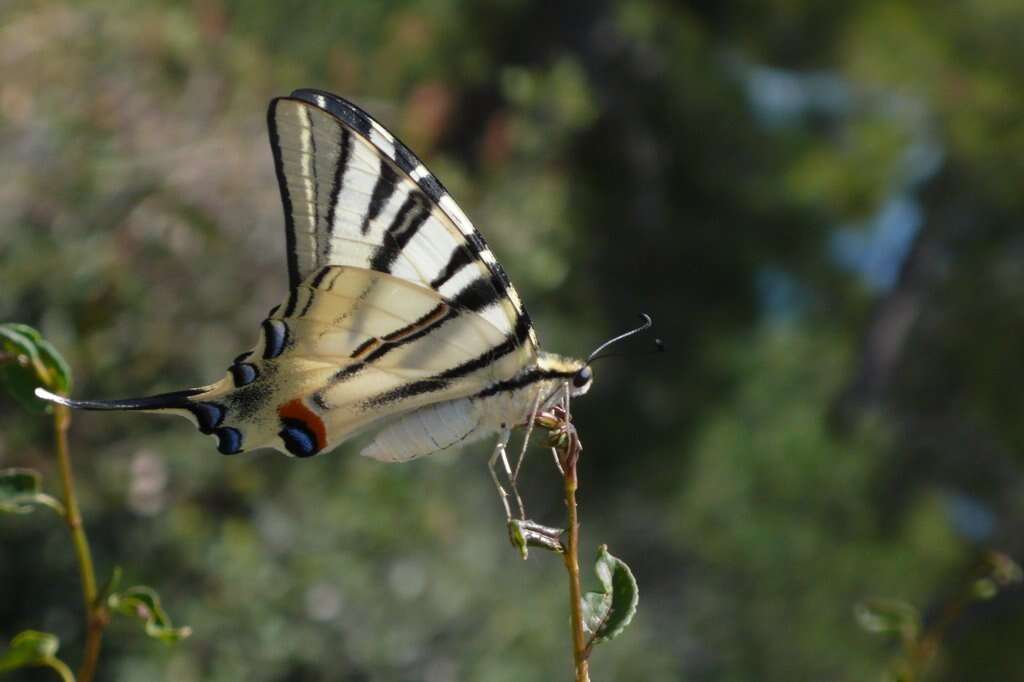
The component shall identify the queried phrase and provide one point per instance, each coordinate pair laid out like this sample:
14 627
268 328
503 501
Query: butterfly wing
354 195
395 304
359 347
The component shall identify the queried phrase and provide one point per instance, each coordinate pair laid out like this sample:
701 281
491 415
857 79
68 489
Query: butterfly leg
558 464
499 451
526 440
506 434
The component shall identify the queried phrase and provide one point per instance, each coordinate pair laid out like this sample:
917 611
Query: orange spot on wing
296 409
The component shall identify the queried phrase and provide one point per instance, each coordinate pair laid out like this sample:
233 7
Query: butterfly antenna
647 323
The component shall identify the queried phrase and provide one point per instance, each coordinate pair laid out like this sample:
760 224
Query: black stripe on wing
294 275
442 380
382 191
409 219
339 172
481 293
357 119
460 258
530 377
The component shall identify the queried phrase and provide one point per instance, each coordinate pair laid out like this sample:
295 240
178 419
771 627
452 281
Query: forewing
355 196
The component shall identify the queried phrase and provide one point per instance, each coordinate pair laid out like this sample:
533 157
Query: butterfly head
563 371
581 381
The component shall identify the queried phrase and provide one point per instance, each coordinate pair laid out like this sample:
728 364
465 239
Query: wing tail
207 414
176 400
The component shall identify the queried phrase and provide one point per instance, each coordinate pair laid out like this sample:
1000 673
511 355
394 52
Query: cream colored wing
360 347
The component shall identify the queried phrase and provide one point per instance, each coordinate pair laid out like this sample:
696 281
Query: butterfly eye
582 377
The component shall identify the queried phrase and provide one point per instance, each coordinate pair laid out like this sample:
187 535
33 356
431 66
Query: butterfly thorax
512 402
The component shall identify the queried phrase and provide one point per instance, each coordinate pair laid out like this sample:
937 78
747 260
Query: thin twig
567 448
572 565
96 616
60 667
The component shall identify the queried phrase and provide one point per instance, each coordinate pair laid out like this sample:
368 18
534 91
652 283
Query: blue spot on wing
229 440
297 438
275 334
208 415
243 373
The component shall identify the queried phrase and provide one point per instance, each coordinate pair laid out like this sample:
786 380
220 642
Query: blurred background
820 204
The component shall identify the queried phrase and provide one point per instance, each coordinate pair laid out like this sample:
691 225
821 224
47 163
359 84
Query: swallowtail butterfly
398 318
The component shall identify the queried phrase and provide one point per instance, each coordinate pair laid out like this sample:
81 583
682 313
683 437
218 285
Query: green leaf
60 373
889 616
16 342
20 367
27 360
21 490
143 602
607 613
596 606
59 379
31 649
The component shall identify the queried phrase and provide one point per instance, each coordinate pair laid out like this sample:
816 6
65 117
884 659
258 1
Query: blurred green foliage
818 203
31 649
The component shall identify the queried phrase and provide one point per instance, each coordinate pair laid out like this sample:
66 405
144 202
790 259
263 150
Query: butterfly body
398 317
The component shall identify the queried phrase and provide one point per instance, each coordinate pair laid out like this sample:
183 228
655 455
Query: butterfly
398 319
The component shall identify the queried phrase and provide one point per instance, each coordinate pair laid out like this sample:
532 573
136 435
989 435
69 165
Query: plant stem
95 614
572 564
61 669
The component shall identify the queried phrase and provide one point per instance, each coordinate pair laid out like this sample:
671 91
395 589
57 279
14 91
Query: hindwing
352 347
